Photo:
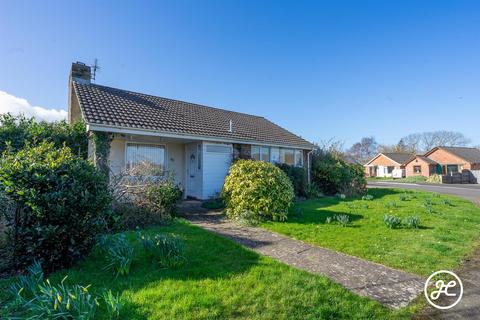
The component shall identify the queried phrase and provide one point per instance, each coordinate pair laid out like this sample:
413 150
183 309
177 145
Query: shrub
434 178
428 208
391 205
119 254
17 131
30 297
447 202
162 197
312 191
403 197
367 197
142 199
164 249
130 217
297 176
329 220
343 219
213 204
412 222
334 175
392 222
113 303
61 204
256 190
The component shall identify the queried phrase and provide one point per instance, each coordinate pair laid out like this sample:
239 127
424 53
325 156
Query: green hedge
334 175
61 204
17 131
297 176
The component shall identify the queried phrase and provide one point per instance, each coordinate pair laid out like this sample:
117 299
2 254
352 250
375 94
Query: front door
193 170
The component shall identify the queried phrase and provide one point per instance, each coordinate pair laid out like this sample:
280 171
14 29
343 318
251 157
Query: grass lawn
446 235
222 280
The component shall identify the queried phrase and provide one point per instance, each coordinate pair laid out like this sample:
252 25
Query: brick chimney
80 72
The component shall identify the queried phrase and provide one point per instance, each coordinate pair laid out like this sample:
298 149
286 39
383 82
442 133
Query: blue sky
342 69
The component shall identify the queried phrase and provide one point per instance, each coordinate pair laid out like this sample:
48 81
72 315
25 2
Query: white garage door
218 158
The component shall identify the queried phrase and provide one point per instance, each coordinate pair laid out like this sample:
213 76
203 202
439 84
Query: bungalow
421 165
451 160
390 164
194 143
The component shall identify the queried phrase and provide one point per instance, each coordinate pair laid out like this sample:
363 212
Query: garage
217 161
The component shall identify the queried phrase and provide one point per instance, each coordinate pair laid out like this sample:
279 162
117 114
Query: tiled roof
120 108
398 157
471 155
426 159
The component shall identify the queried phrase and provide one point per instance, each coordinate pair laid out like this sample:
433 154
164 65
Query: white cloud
16 106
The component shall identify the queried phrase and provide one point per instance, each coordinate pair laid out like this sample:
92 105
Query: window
255 152
417 169
299 158
452 168
275 155
261 153
390 169
145 154
287 156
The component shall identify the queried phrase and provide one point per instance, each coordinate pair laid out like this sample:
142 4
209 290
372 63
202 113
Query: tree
363 150
424 141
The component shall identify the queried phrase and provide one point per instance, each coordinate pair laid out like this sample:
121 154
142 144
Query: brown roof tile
115 107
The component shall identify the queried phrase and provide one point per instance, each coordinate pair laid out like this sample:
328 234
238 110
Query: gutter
146 132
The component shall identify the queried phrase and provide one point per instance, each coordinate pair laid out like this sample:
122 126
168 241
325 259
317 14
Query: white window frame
283 160
164 146
260 152
295 152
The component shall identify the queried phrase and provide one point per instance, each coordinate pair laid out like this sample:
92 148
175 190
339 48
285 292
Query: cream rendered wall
174 156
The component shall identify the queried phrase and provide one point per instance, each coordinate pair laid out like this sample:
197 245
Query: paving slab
393 288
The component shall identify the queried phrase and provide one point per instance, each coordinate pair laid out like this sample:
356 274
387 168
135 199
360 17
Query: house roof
422 157
471 155
397 157
113 107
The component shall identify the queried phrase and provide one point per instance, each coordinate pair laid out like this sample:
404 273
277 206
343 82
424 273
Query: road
467 191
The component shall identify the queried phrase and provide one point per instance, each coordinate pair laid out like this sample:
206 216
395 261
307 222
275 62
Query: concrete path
390 287
468 191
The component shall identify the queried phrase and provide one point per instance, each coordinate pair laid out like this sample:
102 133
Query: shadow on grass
209 257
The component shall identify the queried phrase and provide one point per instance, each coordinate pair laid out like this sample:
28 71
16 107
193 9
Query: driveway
468 191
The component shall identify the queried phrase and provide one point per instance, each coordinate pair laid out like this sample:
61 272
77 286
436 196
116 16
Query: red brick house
455 159
420 165
387 165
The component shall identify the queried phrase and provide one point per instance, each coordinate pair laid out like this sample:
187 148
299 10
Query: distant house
390 164
194 143
451 160
420 165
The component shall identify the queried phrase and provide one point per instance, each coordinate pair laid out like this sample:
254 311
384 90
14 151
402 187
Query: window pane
287 156
145 154
256 152
298 158
265 156
274 155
